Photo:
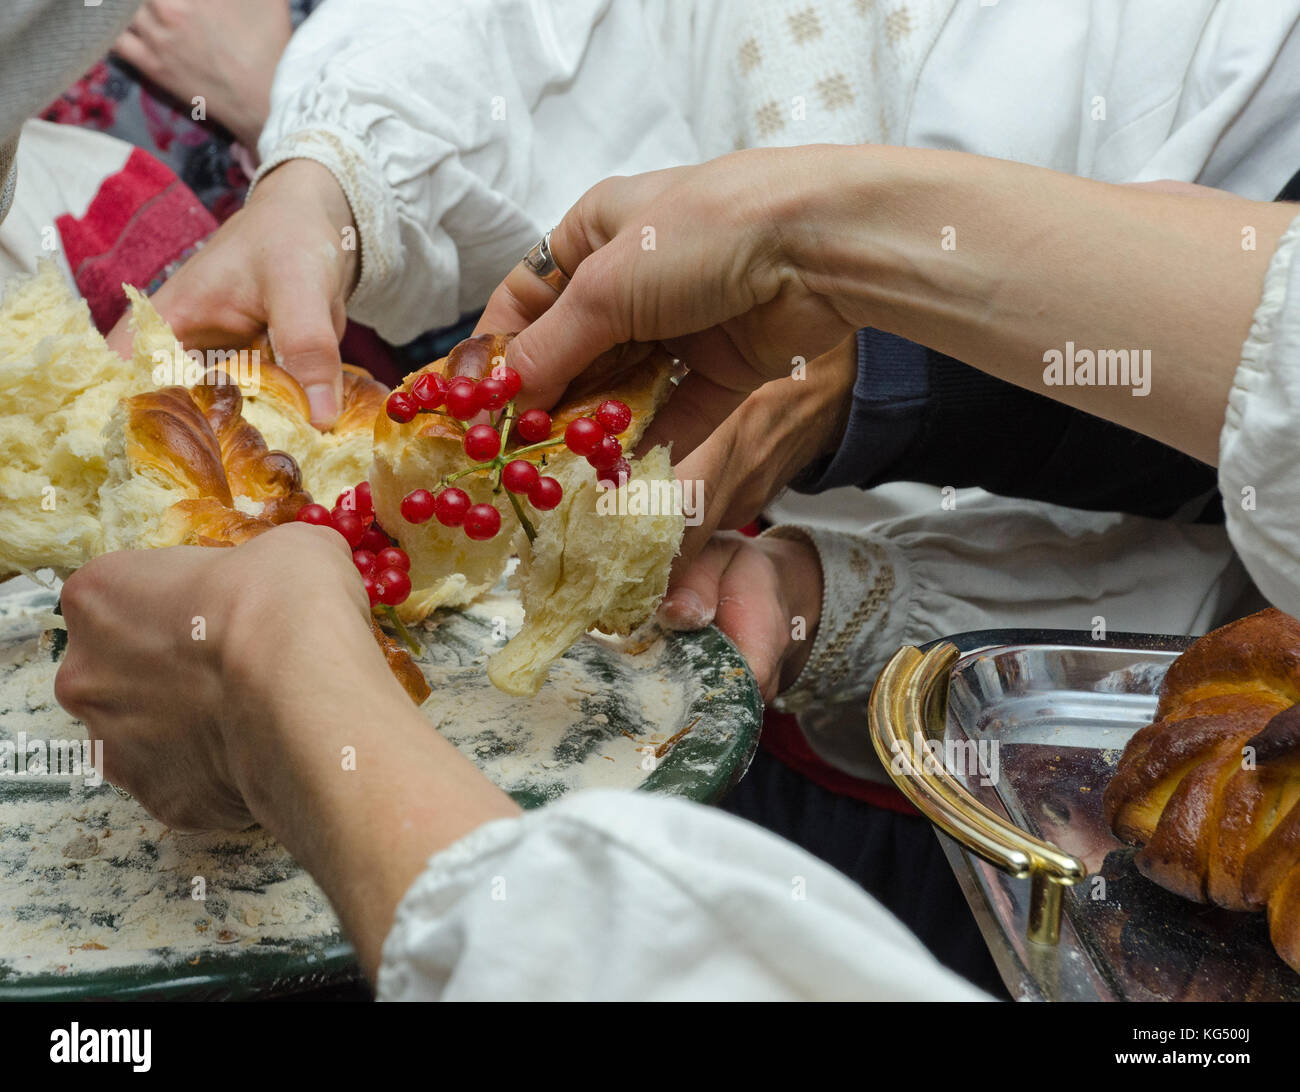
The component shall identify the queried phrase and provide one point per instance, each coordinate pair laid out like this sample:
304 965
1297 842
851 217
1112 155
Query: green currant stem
523 519
490 465
535 447
405 633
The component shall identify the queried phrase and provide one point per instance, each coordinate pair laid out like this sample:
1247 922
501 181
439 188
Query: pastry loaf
1211 788
95 457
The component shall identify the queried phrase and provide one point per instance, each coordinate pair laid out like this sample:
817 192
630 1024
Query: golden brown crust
401 665
1211 788
168 435
198 440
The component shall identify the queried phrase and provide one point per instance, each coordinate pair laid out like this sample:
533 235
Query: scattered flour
89 882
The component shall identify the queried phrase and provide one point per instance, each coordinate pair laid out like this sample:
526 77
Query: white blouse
1259 448
460 129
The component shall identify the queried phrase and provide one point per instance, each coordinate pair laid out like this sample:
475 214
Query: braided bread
126 465
1211 788
584 570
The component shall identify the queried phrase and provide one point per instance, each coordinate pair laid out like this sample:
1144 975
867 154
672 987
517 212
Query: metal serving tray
1006 740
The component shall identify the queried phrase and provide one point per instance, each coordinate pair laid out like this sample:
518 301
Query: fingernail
684 610
324 403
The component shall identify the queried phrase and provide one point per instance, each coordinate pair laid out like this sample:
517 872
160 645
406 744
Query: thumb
304 329
120 338
588 319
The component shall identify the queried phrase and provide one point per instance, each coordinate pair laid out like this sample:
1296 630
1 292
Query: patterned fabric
112 99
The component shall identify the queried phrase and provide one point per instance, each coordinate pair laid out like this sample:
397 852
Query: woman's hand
240 685
736 470
178 653
280 266
224 50
694 257
764 593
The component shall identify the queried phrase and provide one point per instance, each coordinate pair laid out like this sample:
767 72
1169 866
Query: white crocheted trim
373 207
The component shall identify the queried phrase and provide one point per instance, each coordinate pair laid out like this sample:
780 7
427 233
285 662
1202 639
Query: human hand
175 659
279 710
694 257
277 266
764 593
223 50
734 471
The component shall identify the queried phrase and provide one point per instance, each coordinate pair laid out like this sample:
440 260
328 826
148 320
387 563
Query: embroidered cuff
373 208
859 623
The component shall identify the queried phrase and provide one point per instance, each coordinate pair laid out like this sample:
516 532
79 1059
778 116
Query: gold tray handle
908 706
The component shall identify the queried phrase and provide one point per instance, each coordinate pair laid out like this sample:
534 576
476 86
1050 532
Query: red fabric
784 740
366 349
142 222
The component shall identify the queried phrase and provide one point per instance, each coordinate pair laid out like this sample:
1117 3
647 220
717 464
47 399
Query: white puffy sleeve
628 896
1259 447
460 129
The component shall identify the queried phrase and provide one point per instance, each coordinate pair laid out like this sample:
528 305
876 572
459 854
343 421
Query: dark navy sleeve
918 415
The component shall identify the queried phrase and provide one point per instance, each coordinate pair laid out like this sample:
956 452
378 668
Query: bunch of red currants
462 399
384 566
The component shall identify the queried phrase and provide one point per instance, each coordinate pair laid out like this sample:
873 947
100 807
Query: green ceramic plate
679 717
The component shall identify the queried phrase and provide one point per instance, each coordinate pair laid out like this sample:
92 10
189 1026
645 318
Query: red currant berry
450 506
607 453
317 514
462 399
482 442
546 494
372 588
614 416
511 378
617 475
374 539
393 557
394 586
401 407
364 560
519 476
417 507
482 522
533 426
429 391
365 501
492 393
582 435
349 525
354 500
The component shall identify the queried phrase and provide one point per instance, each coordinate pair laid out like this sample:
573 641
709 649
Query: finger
303 328
591 316
522 298
132 49
579 324
695 410
121 339
708 469
692 598
751 619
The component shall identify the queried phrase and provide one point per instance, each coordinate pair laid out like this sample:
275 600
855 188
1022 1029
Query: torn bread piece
95 456
593 564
